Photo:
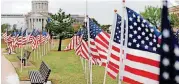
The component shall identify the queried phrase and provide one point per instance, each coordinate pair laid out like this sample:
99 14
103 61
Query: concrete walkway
8 73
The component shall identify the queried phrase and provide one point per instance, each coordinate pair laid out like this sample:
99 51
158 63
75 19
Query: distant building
78 18
38 16
174 9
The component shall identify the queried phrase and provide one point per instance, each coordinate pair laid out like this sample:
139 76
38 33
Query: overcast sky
102 10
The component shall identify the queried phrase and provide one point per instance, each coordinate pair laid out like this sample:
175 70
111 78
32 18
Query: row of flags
21 38
135 50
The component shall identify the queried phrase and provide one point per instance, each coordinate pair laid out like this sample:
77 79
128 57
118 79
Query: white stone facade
37 18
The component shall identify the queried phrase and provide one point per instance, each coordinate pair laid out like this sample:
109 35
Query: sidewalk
8 73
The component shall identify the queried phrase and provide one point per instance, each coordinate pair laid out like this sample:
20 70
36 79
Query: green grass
66 67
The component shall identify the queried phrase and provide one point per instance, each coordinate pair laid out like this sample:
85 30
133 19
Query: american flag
33 39
78 47
38 37
31 36
5 36
75 41
15 40
48 37
22 39
97 36
141 64
169 62
85 47
98 42
44 36
8 39
114 58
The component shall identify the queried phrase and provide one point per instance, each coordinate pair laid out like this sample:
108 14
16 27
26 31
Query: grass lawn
66 67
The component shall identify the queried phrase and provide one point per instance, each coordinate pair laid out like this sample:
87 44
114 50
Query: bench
41 76
25 57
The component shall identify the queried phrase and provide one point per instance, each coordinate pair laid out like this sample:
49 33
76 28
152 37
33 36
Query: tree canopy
153 15
60 25
14 28
4 27
105 27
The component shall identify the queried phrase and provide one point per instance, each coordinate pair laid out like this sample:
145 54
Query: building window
37 20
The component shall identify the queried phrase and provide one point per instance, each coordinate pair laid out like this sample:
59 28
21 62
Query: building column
44 23
28 23
43 27
33 21
40 23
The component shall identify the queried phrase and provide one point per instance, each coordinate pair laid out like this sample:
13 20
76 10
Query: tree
76 26
14 28
61 25
105 27
4 27
174 20
153 15
95 21
49 27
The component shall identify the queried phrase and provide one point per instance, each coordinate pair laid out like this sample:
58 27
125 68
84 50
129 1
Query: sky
101 10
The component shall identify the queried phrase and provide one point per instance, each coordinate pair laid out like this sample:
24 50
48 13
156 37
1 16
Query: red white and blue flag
141 64
169 62
114 58
75 41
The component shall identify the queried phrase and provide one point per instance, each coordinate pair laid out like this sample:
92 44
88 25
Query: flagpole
41 47
86 23
34 55
121 44
38 51
48 45
125 39
82 62
110 44
21 57
89 51
44 48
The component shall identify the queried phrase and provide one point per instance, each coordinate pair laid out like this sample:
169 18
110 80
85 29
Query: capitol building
36 18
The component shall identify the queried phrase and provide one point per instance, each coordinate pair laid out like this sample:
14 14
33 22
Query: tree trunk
60 42
50 32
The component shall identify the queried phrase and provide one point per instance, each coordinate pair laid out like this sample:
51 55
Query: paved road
8 73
